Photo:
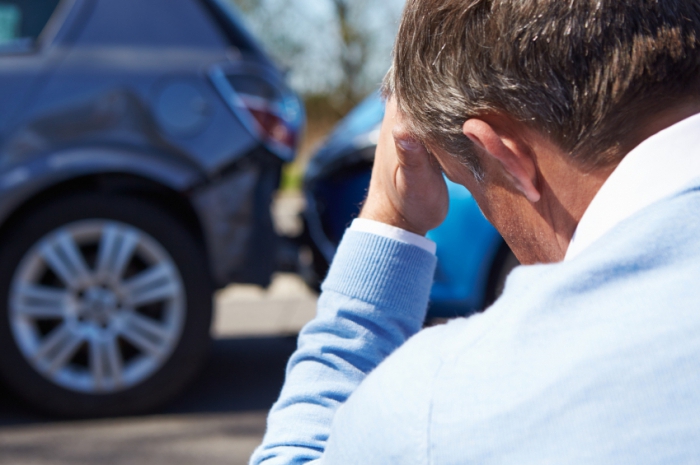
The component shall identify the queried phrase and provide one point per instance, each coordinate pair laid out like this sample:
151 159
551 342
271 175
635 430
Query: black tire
189 350
503 264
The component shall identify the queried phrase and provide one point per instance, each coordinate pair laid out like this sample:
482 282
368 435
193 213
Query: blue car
473 259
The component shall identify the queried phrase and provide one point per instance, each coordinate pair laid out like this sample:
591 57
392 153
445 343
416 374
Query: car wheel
503 264
105 306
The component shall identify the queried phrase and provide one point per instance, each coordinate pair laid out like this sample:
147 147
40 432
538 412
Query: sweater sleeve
374 298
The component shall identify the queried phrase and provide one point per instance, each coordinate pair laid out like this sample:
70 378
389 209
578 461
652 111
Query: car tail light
271 111
270 123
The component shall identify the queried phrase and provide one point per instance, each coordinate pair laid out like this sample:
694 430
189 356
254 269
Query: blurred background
175 176
144 144
335 52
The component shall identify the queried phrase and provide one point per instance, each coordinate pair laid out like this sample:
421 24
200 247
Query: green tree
336 50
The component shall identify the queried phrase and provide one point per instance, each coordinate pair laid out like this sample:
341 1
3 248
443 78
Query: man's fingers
407 189
410 152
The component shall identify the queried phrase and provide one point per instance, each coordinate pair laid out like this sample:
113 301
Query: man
575 126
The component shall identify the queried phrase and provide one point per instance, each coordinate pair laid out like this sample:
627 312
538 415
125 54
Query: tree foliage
336 50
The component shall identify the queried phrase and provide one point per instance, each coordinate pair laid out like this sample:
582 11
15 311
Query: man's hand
407 188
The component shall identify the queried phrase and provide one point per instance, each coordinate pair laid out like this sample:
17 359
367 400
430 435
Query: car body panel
152 24
241 241
25 180
123 88
25 66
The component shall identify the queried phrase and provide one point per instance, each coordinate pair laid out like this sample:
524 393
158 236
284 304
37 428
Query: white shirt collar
659 167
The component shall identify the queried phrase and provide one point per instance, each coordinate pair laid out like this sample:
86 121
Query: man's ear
516 160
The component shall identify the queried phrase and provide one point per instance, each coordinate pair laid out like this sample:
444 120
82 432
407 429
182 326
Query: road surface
219 420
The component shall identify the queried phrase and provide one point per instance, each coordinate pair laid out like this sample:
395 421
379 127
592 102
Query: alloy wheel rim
97 306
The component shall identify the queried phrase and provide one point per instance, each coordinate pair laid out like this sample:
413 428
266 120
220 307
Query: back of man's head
584 72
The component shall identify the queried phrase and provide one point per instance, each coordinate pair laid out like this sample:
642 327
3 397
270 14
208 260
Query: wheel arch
158 181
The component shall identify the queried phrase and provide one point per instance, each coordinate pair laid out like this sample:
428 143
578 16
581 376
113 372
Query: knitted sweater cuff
382 271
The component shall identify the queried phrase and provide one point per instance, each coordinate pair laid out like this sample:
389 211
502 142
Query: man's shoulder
390 412
404 378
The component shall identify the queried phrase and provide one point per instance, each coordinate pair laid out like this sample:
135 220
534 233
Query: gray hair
584 72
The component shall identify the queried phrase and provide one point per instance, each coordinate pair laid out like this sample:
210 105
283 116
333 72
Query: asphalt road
220 419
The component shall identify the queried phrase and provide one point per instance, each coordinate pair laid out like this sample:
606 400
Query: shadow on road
241 375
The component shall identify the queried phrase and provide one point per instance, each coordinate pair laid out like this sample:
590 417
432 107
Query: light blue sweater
594 360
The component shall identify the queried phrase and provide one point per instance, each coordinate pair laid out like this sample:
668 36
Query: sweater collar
659 167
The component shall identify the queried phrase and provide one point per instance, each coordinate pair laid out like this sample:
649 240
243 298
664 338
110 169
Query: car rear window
21 22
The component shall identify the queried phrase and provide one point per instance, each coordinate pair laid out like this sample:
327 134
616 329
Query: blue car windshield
363 117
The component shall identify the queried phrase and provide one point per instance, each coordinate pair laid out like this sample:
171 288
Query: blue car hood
358 130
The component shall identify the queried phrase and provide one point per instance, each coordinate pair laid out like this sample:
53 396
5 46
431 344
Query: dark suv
140 144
